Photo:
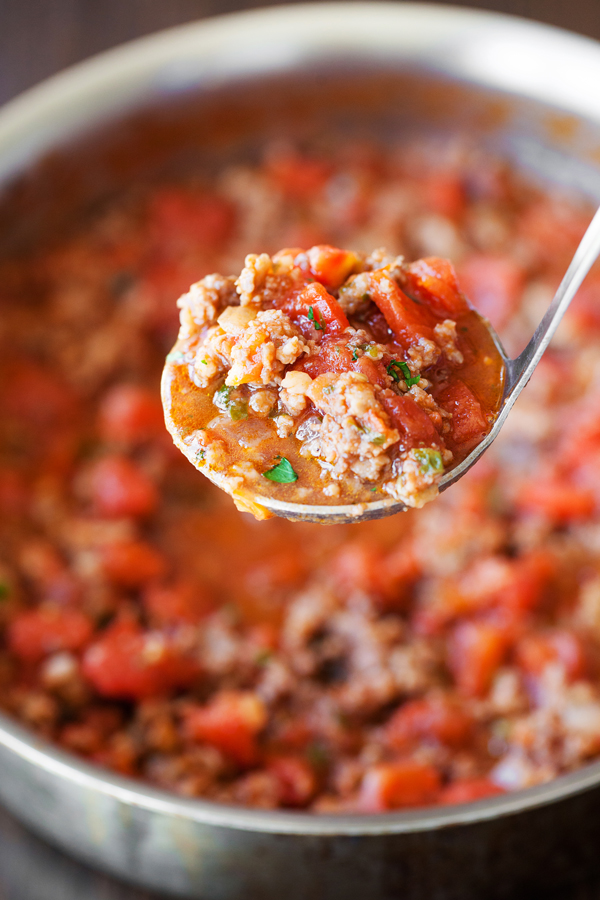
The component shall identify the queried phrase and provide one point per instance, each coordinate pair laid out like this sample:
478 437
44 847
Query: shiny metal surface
532 840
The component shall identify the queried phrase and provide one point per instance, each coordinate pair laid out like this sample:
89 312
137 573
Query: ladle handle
520 370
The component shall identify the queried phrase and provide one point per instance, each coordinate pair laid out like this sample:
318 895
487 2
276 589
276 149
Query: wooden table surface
37 39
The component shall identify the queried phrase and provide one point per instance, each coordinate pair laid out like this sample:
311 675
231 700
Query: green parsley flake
282 472
354 355
377 439
430 461
392 370
318 323
236 407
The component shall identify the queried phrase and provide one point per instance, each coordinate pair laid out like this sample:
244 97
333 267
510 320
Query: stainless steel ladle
518 373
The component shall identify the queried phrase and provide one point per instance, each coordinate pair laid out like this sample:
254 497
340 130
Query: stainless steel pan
529 89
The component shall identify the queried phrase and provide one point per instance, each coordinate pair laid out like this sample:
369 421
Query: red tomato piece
475 651
469 425
132 563
120 488
536 651
362 567
408 320
316 312
433 281
556 499
184 601
296 777
415 427
338 358
130 414
493 284
298 176
231 722
128 663
332 357
436 718
531 576
331 266
467 790
444 193
399 784
35 633
179 219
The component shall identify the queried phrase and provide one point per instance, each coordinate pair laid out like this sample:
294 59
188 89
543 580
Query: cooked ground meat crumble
435 657
351 362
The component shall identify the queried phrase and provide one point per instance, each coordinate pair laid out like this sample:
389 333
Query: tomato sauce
440 656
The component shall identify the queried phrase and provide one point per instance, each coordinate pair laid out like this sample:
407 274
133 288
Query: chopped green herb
355 354
328 389
238 410
318 323
378 440
204 362
430 461
282 472
237 407
392 370
4 590
200 455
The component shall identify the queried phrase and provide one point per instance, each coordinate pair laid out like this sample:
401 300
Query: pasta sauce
439 656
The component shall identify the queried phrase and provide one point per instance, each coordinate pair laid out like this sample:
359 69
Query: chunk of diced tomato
331 266
361 566
337 357
556 499
399 784
436 719
128 663
298 176
231 722
433 281
415 427
444 193
132 563
179 219
120 488
332 357
130 413
183 601
408 320
469 425
476 649
296 777
467 790
536 651
35 633
493 284
316 312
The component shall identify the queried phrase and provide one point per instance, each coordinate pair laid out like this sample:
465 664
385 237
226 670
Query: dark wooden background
38 38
